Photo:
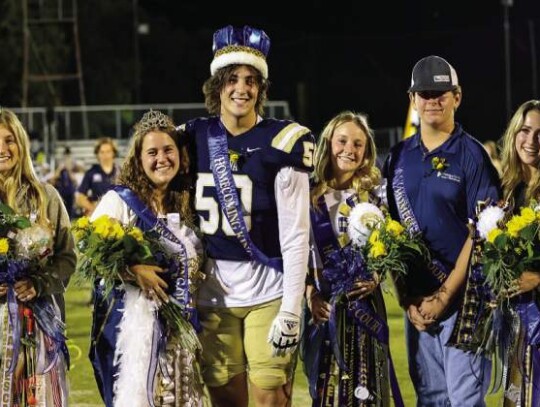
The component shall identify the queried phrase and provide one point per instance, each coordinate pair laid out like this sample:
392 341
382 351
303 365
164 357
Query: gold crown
154 119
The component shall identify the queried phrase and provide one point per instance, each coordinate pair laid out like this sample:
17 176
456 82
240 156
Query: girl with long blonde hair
345 175
32 292
521 185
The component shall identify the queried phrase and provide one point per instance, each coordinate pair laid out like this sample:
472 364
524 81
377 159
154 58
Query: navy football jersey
256 157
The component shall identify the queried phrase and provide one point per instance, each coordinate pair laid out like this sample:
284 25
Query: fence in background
79 126
58 126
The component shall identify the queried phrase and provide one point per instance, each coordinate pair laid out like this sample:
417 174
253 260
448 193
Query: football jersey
256 157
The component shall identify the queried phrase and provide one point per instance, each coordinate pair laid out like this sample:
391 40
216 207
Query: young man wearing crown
435 179
252 198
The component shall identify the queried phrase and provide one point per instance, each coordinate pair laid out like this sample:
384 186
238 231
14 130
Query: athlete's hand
284 333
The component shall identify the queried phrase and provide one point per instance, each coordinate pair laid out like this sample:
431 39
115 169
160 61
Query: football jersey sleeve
292 146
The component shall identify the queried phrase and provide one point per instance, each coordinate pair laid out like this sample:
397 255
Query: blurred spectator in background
99 178
65 180
39 158
493 151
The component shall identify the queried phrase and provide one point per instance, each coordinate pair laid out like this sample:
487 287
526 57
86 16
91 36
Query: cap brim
443 88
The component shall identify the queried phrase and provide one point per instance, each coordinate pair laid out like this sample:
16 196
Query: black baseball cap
433 73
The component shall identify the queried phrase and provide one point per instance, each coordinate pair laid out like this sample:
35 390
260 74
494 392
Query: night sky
352 55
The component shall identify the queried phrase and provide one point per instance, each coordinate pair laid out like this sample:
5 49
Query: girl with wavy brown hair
139 356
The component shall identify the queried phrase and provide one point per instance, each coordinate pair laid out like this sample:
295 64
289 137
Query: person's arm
86 204
482 182
81 195
319 308
292 198
54 277
434 306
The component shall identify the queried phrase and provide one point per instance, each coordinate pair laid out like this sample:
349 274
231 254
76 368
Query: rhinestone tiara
154 119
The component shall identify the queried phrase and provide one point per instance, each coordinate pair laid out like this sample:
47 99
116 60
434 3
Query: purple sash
228 195
406 214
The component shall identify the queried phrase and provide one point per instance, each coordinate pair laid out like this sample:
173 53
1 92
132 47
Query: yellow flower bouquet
385 243
106 248
509 245
391 247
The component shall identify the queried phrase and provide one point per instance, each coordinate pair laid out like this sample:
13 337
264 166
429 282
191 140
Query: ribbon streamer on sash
48 319
228 196
529 315
11 272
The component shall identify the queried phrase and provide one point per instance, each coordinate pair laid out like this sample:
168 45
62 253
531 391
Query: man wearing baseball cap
435 180
252 198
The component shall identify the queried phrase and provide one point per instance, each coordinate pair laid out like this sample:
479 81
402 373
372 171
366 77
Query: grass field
83 391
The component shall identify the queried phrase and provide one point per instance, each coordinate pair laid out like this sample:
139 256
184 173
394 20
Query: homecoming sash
228 196
147 220
406 215
339 264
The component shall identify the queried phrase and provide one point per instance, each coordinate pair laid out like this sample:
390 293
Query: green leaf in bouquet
94 240
414 247
501 241
146 252
529 232
530 251
20 222
130 244
115 244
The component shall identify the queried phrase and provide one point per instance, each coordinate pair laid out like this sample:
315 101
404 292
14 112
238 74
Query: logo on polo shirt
449 177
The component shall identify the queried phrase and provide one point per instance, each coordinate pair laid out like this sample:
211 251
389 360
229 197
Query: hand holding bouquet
510 245
107 248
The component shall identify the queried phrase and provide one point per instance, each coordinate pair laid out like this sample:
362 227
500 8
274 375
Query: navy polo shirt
96 182
442 201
